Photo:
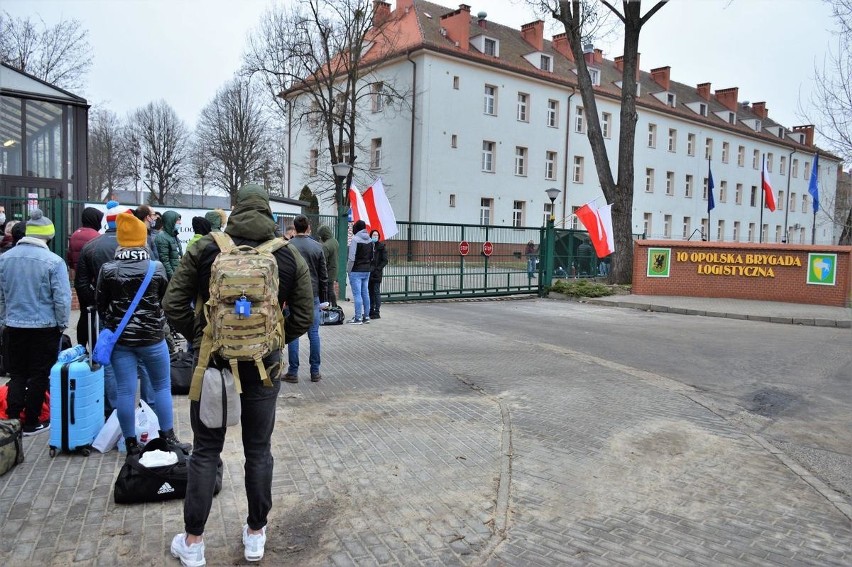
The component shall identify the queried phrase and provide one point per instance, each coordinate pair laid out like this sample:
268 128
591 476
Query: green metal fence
65 215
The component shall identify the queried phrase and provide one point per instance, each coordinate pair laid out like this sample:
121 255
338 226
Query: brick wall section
789 283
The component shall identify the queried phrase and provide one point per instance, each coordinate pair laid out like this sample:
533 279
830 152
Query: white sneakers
193 555
254 544
189 555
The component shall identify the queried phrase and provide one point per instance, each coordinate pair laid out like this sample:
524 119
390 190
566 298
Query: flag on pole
813 186
598 221
357 209
711 202
379 212
768 193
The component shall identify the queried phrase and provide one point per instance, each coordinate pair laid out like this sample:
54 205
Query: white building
496 119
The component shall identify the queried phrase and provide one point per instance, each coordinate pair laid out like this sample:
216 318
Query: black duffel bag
181 372
137 484
332 316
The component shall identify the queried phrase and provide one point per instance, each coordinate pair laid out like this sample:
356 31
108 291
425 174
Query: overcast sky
183 50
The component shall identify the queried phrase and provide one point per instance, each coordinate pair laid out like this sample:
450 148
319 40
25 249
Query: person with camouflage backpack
257 373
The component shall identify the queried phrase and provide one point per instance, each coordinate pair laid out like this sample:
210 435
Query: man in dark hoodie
91 220
250 224
167 243
359 266
330 248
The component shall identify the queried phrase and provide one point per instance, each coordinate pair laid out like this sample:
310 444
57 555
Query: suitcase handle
72 420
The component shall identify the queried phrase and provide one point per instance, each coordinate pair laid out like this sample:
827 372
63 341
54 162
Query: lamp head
341 169
552 193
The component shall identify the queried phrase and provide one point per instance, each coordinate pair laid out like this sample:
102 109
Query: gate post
549 251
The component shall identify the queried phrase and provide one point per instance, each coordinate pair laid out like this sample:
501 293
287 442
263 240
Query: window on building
376 153
548 210
753 200
313 159
343 152
804 202
452 199
490 100
720 231
580 120
705 229
780 203
726 150
770 159
802 235
706 187
764 233
755 160
456 82
735 235
702 109
377 97
807 170
792 202
687 227
595 75
550 165
670 182
606 124
652 135
520 160
782 165
488 156
738 196
578 169
553 113
485 210
518 213
490 47
671 100
741 156
795 168
649 180
690 144
688 187
672 140
667 226
751 232
646 224
708 148
523 106
454 141
777 233
545 63
723 191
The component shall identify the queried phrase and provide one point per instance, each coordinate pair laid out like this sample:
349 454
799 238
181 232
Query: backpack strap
223 241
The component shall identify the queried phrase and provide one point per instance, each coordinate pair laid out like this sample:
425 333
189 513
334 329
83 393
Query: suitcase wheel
86 451
52 452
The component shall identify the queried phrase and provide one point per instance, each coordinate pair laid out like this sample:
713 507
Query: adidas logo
166 488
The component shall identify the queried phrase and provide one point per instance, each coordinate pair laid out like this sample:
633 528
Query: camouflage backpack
244 319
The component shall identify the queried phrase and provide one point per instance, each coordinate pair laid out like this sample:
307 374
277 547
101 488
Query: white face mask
2 218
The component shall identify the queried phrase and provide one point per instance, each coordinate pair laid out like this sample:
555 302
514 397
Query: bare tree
232 128
107 162
164 140
59 54
201 165
581 19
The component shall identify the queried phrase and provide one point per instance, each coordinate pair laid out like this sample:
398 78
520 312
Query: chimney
598 56
381 12
589 54
482 19
728 97
533 33
457 25
560 45
808 131
661 75
619 64
760 109
704 90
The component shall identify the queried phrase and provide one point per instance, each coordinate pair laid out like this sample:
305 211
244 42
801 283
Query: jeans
111 390
257 421
314 339
125 361
531 267
375 297
32 354
361 293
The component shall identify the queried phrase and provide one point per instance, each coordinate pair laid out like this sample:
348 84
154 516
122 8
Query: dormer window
545 63
757 125
489 47
732 118
595 76
638 86
702 109
671 100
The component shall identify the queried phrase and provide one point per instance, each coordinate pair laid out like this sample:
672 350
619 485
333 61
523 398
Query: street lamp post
341 172
549 241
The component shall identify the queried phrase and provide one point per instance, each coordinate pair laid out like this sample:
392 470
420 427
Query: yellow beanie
130 231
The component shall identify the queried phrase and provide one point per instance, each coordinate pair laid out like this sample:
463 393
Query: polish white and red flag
357 206
379 212
769 194
598 221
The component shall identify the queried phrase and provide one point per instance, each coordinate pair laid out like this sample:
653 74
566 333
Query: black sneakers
41 427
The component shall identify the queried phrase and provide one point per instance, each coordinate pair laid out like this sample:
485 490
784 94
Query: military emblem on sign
659 262
822 269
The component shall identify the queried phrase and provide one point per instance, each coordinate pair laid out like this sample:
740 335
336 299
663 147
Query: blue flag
813 186
711 202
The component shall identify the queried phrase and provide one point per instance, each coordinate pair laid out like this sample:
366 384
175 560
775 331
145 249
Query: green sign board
659 262
822 269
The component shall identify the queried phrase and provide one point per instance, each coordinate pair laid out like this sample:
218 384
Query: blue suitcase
76 402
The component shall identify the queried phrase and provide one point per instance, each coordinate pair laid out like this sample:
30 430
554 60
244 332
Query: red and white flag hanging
379 212
598 221
356 204
769 194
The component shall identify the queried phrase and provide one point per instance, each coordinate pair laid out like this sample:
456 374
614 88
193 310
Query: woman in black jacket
380 260
143 339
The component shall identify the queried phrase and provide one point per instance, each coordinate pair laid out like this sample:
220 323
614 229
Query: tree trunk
846 235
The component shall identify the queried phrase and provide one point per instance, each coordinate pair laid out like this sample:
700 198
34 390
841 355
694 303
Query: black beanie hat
358 226
201 226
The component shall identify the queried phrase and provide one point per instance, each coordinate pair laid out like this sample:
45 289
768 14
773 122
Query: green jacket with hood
250 224
329 248
168 246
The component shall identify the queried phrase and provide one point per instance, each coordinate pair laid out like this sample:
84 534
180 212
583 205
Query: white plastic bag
147 428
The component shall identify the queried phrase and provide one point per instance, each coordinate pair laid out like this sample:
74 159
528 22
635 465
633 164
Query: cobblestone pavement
436 443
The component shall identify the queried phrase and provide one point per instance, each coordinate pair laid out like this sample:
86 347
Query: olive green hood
251 219
324 233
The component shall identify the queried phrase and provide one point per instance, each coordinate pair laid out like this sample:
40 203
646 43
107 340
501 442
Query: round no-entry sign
487 248
464 247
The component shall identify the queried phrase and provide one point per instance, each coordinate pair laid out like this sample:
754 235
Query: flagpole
709 196
762 201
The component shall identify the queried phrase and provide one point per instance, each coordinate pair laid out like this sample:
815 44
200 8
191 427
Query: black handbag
181 372
137 483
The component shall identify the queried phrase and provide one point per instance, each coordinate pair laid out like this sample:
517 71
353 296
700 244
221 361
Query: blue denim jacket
35 292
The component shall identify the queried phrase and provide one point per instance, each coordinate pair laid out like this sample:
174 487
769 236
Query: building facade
493 118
